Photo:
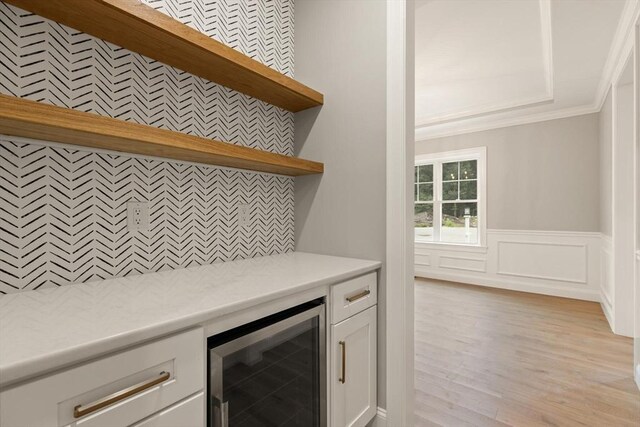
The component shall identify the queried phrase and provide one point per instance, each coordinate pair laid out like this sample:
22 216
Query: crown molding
426 133
502 107
487 110
621 47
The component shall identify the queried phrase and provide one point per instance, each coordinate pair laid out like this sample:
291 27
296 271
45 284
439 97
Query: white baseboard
637 377
499 283
606 279
380 420
606 309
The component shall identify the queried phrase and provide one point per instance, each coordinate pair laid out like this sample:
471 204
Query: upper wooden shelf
19 117
142 29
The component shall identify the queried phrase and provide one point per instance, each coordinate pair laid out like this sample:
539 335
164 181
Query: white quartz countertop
47 329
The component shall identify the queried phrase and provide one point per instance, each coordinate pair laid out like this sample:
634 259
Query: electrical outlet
137 216
243 215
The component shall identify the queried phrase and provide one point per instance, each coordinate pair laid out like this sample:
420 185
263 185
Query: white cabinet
353 296
353 370
116 390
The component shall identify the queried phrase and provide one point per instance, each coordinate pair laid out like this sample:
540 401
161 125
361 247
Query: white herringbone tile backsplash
63 211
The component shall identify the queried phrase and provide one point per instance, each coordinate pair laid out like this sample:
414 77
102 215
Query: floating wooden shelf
19 117
142 29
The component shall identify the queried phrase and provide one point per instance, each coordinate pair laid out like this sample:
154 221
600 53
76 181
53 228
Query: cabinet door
353 370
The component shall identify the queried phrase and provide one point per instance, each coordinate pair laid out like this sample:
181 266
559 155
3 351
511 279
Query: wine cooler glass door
270 372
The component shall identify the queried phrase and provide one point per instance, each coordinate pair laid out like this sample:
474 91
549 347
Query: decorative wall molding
542 253
425 246
554 233
462 128
486 110
546 31
422 258
546 35
606 309
546 262
620 49
509 284
462 263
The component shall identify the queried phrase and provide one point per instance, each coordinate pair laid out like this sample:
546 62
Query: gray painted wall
540 176
606 152
342 212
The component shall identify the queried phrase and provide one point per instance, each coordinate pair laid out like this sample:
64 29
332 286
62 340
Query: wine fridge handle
224 414
220 418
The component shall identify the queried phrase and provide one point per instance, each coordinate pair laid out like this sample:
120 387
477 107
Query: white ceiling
482 63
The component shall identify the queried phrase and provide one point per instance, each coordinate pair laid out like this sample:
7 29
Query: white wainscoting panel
556 263
462 263
422 257
543 260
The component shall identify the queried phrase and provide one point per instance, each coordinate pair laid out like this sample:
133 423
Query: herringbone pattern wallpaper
261 29
48 62
63 211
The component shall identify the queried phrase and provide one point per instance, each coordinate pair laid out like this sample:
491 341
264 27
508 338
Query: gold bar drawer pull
361 295
80 411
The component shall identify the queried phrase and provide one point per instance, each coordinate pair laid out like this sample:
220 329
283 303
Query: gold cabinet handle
356 297
343 372
80 411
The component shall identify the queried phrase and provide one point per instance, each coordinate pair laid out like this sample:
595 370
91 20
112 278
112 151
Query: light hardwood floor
489 357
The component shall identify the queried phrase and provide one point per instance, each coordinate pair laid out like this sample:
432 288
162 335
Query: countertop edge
30 369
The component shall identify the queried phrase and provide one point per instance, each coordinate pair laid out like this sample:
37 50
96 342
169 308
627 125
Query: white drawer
50 401
353 296
187 413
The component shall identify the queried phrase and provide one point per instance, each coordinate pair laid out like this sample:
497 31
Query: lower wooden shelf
30 119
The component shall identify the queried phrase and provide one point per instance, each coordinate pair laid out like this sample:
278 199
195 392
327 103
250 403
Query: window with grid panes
446 200
423 207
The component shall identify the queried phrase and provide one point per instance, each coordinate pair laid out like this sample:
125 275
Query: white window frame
480 155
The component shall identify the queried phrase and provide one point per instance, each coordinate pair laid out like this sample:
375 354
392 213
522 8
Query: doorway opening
526 214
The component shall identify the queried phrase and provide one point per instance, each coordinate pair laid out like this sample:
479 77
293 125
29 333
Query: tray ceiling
479 62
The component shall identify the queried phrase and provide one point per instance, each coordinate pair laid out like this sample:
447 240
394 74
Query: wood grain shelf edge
144 30
31 119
